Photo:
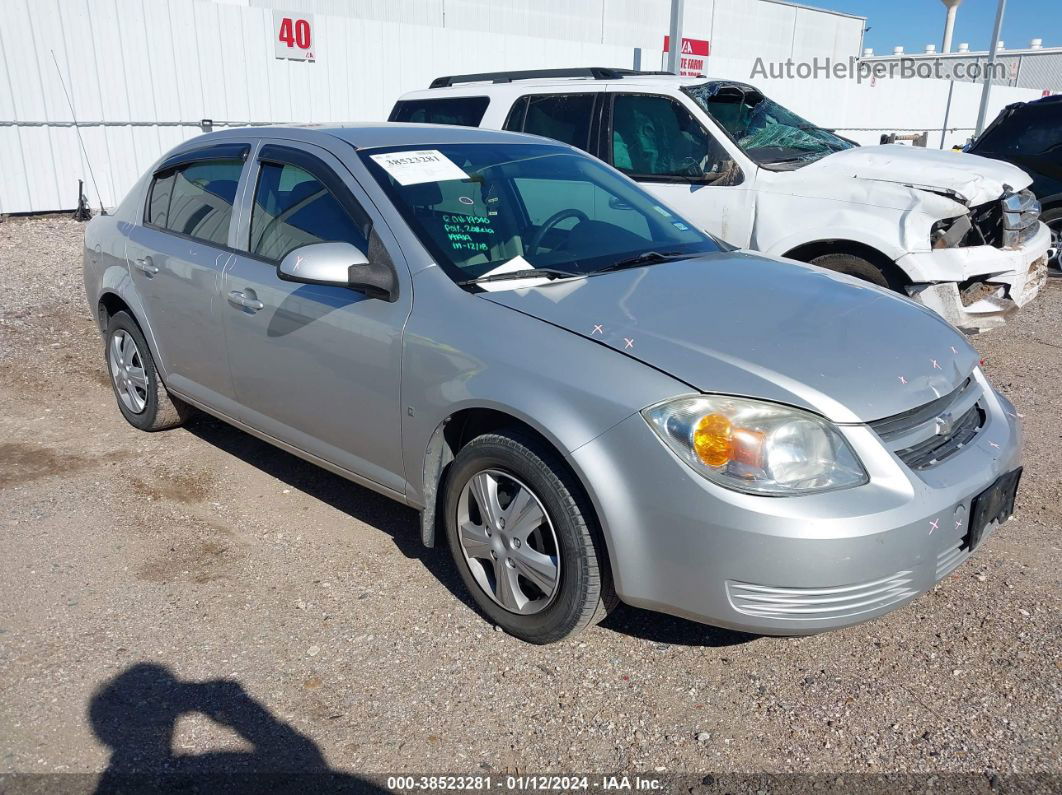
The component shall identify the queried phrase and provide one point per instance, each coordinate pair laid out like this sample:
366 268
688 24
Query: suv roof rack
592 72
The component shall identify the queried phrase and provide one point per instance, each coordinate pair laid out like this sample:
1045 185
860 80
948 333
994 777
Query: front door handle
146 265
242 299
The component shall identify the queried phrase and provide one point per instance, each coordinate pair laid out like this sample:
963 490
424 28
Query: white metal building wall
141 74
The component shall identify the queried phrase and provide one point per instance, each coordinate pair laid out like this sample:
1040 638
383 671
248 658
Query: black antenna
77 128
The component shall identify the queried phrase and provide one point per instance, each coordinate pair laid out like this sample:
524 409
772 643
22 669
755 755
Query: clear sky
916 23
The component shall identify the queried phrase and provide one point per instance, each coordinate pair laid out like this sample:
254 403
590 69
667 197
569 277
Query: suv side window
195 199
562 117
464 111
293 208
655 138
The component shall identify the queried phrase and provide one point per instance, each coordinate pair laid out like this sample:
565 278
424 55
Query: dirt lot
199 592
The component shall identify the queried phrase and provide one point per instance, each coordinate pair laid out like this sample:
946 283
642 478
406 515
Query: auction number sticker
425 165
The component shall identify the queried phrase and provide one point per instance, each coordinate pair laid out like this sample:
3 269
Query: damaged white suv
958 233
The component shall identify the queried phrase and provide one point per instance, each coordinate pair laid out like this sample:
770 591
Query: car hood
742 324
971 178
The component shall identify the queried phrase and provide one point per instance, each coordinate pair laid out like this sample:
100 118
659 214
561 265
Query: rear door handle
241 299
146 265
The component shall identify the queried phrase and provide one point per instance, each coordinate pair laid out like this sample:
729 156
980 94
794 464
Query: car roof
535 85
370 135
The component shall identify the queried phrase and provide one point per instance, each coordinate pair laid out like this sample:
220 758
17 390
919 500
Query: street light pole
674 50
989 70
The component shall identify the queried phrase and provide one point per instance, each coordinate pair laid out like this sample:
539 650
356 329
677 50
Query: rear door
176 257
317 367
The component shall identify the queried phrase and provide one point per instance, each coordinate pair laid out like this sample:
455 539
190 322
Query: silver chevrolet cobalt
589 397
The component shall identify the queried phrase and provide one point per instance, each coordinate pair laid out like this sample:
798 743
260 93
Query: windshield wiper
645 258
526 273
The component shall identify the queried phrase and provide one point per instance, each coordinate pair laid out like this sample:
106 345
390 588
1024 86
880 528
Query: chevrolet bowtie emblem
945 424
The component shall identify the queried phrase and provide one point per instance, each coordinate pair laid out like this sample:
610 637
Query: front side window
655 137
768 133
490 209
464 111
562 117
292 208
201 195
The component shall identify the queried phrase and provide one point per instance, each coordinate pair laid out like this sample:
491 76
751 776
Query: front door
657 141
317 367
176 257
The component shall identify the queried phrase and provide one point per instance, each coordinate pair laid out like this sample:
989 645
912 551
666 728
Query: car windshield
491 209
768 133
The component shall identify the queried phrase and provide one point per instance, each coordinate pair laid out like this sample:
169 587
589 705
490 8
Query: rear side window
293 208
463 111
562 117
196 199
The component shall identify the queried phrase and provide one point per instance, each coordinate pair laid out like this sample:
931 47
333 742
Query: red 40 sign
293 36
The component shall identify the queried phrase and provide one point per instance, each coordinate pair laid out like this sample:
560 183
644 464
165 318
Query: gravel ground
199 592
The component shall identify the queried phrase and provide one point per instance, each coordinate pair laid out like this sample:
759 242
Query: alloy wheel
508 542
127 370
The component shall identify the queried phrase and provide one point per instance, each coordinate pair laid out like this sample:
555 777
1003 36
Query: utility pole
990 68
674 50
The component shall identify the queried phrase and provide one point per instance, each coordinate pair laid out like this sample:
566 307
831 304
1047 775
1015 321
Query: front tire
142 397
853 265
524 539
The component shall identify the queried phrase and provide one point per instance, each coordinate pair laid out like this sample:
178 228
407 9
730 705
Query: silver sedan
589 397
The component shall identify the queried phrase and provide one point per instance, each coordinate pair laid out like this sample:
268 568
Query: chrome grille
934 431
841 601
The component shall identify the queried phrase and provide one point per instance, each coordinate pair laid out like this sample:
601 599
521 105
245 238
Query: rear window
462 111
196 199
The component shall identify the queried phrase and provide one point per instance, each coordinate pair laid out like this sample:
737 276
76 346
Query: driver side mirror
338 264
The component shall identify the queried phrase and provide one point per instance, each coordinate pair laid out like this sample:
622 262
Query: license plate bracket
994 504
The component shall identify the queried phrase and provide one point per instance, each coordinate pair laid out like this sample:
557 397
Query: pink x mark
993 444
298 262
936 364
598 329
934 525
629 343
903 380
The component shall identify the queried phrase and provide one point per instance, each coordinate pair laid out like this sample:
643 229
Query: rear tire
142 397
861 268
539 609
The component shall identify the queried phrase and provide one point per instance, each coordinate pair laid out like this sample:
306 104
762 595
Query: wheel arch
465 424
112 299
806 252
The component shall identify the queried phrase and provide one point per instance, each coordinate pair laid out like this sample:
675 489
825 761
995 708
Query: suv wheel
853 265
142 397
524 543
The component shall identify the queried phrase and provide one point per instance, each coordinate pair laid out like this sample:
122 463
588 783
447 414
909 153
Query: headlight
756 447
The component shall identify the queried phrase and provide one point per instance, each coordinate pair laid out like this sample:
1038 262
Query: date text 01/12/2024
524 783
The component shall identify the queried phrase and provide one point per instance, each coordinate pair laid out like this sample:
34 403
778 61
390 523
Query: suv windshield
768 133
487 210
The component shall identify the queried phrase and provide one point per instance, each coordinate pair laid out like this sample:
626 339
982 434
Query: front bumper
1000 280
680 544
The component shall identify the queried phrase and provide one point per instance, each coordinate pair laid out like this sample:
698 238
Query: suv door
659 142
317 367
176 257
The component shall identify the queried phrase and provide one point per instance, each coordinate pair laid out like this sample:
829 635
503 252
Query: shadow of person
135 714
